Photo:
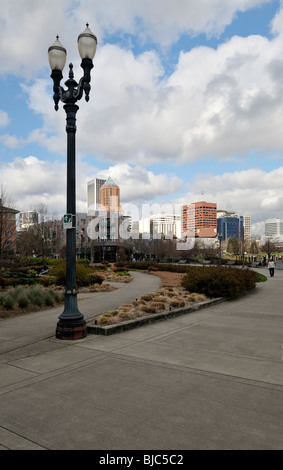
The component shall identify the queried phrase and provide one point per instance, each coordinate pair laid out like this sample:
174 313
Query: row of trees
239 247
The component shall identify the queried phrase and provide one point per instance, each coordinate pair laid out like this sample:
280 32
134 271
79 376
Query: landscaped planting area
194 284
35 284
24 299
163 300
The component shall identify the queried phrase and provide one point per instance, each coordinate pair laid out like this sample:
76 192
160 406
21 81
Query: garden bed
96 329
154 305
23 300
174 298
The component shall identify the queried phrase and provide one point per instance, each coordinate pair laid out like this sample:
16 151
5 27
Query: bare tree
271 246
7 224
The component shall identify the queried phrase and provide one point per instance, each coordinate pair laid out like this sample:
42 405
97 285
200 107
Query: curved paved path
40 325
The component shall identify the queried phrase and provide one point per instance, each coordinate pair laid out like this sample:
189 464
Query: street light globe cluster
57 54
71 324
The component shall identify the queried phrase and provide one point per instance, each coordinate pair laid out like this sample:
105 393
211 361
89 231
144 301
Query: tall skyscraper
110 195
247 227
93 194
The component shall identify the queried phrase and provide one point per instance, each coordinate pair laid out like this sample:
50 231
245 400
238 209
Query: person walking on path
271 267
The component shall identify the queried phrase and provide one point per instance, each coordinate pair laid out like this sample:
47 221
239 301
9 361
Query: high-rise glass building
110 196
230 226
93 193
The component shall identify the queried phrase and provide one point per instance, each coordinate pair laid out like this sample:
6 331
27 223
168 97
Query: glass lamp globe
87 43
57 55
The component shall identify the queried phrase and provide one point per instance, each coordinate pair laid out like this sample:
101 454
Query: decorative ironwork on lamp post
71 324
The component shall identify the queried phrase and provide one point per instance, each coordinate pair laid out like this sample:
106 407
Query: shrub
83 261
95 279
122 273
219 281
152 266
85 276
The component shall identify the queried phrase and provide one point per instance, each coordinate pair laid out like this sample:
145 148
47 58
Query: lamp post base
71 330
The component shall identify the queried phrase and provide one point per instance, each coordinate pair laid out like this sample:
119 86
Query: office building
93 193
274 228
110 196
247 227
230 226
240 227
166 225
199 219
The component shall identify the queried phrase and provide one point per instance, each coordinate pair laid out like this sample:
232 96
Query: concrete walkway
209 380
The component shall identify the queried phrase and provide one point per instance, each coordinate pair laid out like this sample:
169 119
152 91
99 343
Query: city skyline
186 103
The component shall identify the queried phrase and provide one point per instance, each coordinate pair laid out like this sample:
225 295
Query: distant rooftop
109 182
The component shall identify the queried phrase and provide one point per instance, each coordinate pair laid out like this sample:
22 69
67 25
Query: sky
186 103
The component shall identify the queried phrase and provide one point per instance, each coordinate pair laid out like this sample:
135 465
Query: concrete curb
131 324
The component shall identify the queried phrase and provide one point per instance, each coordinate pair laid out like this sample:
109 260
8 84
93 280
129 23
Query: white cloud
140 185
252 192
217 102
28 27
33 181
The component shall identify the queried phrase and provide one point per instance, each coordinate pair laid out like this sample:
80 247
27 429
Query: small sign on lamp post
68 221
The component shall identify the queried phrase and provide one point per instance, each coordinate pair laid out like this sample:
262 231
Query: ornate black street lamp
71 324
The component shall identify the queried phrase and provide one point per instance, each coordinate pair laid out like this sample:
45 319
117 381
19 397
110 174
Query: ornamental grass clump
149 308
35 295
23 301
219 281
23 298
159 306
177 304
8 301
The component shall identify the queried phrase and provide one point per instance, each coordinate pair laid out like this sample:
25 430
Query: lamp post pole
71 324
